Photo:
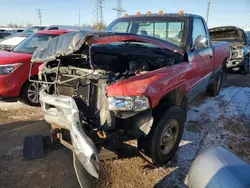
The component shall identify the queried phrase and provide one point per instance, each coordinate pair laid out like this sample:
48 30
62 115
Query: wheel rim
33 92
169 137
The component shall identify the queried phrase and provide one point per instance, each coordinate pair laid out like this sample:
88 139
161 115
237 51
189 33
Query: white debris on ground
221 121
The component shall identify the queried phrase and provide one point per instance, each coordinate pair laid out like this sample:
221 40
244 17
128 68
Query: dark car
239 46
3 35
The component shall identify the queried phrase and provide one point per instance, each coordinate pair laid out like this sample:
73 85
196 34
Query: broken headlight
125 103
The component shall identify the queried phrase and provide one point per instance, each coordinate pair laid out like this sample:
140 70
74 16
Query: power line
39 15
208 9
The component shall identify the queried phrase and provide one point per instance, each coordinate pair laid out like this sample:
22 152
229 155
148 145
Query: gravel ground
223 121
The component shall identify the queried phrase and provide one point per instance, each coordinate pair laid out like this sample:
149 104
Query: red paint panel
154 84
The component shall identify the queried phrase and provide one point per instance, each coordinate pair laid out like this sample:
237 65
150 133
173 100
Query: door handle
210 56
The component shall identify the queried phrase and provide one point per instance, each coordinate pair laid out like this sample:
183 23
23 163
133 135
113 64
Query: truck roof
158 15
58 32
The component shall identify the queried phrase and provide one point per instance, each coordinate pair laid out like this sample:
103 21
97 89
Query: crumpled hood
69 43
11 57
228 33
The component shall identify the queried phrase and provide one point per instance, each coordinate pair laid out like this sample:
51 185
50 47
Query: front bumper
9 87
233 63
62 111
9 99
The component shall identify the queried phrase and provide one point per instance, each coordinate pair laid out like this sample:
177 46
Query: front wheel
163 141
30 93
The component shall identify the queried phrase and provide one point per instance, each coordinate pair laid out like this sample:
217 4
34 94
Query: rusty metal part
101 134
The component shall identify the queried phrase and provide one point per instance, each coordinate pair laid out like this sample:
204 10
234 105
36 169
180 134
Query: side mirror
201 42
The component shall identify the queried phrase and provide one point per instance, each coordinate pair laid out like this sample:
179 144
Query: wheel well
22 88
175 97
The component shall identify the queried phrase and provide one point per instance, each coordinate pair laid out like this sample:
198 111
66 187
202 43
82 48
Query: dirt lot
224 121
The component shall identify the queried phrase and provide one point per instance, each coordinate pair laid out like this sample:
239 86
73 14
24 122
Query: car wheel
215 86
164 138
246 65
30 94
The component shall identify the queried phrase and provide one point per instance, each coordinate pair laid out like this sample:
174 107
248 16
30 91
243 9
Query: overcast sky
223 12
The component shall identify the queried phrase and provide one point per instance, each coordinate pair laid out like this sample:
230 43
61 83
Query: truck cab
190 35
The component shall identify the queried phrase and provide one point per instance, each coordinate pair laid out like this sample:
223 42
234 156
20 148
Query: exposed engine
236 52
85 77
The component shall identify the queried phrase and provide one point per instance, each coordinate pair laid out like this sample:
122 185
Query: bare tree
10 25
98 26
28 25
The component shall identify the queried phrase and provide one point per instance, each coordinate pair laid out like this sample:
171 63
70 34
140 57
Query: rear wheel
246 66
215 86
163 140
30 93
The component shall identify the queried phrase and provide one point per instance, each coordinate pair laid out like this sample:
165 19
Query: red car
15 67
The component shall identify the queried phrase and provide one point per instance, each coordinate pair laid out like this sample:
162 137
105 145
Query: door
201 60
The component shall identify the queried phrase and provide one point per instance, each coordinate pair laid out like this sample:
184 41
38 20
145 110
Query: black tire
152 144
215 86
246 66
30 93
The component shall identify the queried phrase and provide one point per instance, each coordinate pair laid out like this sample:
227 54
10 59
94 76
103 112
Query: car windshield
171 30
33 29
30 44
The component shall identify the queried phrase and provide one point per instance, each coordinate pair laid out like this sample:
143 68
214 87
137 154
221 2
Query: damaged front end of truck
97 86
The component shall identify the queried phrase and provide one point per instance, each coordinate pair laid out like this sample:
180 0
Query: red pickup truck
15 67
133 81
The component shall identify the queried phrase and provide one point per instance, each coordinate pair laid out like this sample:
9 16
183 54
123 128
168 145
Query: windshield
33 29
171 30
30 44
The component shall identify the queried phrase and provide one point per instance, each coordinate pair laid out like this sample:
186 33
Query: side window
53 28
145 29
120 27
160 30
198 29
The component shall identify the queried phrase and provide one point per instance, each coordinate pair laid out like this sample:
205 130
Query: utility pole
98 11
39 15
101 2
79 19
208 9
119 9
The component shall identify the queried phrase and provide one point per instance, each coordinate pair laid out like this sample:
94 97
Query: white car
10 42
13 40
